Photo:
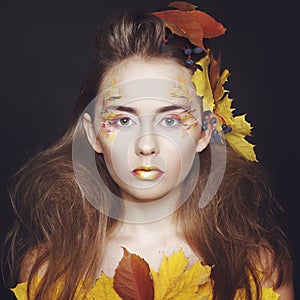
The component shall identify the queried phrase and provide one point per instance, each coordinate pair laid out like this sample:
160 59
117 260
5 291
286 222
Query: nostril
147 145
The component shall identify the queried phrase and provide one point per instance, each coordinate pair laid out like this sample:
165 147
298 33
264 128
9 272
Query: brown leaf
184 6
211 28
214 73
183 24
187 22
132 279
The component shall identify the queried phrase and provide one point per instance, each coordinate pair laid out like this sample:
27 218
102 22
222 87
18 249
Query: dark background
46 48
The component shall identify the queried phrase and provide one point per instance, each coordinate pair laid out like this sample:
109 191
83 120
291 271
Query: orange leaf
210 27
132 279
184 6
214 74
183 24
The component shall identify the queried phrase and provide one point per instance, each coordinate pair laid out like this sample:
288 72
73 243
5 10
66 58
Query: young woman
145 168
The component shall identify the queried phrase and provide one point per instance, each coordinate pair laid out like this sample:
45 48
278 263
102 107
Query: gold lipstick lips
147 172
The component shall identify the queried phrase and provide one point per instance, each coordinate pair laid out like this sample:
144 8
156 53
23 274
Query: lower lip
147 174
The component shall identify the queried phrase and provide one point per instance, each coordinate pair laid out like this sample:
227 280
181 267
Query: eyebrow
169 108
134 111
123 108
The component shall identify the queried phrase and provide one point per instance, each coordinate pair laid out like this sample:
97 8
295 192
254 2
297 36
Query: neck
135 212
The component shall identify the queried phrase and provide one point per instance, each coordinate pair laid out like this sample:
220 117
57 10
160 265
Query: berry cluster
216 137
188 52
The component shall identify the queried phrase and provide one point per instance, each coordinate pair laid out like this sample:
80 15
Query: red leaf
132 279
214 71
211 28
186 21
183 24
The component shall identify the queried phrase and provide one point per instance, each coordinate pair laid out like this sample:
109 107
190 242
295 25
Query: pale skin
153 238
149 240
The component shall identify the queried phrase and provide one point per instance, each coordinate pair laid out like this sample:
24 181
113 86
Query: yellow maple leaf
103 289
240 129
202 84
266 293
175 281
20 291
219 102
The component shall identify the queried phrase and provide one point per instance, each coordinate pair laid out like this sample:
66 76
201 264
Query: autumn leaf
202 84
132 279
184 25
20 291
210 85
103 289
240 128
188 22
266 293
211 28
175 281
214 72
184 6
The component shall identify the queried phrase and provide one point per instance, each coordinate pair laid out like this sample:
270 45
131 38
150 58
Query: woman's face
147 125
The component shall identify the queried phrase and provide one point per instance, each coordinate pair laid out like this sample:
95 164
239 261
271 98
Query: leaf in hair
184 6
210 85
187 22
182 25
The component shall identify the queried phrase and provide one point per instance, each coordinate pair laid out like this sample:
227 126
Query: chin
144 195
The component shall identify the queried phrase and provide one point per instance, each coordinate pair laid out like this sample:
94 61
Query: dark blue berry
215 132
188 51
217 137
213 120
204 122
197 50
189 62
224 126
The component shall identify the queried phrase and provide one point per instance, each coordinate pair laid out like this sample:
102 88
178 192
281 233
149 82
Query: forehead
140 68
137 79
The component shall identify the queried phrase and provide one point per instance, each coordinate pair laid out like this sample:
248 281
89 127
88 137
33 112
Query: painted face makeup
181 97
148 118
173 118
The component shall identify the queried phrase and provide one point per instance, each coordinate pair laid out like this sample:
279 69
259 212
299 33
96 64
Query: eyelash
177 120
172 117
116 121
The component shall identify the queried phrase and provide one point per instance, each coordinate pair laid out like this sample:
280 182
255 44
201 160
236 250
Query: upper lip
147 168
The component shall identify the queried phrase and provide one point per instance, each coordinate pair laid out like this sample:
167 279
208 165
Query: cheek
118 151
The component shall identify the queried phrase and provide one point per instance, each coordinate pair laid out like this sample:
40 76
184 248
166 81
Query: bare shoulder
28 262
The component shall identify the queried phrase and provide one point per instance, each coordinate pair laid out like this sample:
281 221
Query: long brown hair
231 232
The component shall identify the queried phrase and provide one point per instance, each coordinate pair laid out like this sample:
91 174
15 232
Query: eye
125 121
170 121
120 121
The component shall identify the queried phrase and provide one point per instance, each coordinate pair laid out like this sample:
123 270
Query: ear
205 136
91 133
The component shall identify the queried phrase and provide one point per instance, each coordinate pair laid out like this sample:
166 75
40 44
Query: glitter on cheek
107 128
188 121
107 131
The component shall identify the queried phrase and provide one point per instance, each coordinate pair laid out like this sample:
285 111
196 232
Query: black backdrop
46 48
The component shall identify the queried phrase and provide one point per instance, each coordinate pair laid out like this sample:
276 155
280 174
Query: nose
147 144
